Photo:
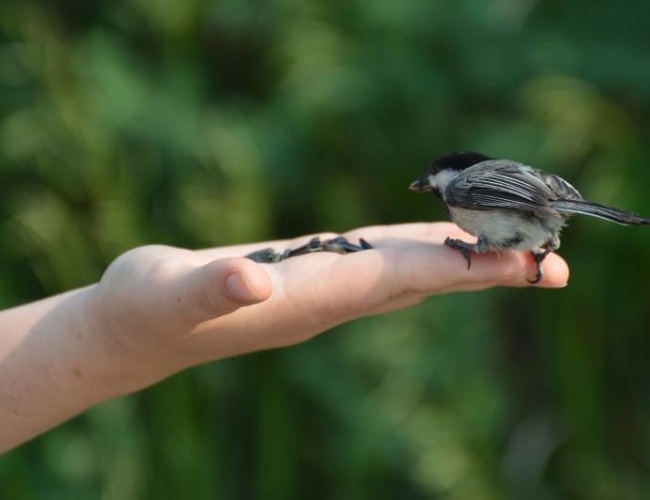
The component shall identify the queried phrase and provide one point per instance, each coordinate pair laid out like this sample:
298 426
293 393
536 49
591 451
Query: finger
221 287
377 280
556 275
440 269
511 269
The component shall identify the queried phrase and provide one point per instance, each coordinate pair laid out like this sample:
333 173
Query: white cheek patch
441 180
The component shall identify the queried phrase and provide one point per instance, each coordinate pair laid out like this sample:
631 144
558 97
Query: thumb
222 286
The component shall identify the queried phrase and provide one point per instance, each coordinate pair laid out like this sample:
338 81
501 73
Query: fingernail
239 289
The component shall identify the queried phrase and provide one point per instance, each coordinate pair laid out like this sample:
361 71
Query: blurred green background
202 122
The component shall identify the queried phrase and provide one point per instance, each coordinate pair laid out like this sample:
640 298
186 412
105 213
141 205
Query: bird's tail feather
600 211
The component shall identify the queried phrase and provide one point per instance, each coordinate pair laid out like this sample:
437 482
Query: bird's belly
508 229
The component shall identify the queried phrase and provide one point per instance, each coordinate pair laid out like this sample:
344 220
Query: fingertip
224 285
519 270
556 272
248 283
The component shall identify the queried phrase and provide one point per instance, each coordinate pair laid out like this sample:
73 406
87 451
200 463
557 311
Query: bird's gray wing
509 185
561 188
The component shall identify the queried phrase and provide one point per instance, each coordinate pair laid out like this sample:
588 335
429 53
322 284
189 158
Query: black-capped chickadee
508 205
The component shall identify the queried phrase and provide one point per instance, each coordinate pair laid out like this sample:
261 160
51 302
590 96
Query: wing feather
508 185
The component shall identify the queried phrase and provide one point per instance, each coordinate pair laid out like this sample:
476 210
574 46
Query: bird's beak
421 185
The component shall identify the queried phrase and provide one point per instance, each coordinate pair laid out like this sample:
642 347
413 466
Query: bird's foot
538 258
463 247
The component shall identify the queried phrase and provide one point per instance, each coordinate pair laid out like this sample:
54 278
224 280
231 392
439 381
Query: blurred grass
205 122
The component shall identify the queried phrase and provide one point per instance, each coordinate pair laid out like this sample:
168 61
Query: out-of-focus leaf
204 123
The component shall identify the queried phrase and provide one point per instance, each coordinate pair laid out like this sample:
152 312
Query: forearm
52 366
61 355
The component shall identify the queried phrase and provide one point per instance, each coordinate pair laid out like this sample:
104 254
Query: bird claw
462 247
538 258
338 245
465 248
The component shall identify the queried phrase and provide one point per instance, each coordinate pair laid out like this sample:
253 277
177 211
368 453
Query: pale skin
158 310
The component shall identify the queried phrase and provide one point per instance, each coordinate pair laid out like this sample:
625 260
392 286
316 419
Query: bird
507 205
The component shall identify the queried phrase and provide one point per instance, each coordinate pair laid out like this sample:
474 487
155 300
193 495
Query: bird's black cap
459 160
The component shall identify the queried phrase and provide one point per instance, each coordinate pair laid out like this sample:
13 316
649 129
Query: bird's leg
338 245
464 248
538 258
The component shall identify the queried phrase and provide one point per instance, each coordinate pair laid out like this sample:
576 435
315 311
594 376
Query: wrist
126 357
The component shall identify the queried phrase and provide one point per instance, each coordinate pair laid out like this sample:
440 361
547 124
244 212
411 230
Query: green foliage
198 123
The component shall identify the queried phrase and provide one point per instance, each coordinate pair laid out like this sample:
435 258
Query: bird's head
443 170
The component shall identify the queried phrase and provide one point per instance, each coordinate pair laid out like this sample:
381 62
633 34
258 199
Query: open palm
172 301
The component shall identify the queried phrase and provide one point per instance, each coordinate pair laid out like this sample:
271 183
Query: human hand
165 308
160 309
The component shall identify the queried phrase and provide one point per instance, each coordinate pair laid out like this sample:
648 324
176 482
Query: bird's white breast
506 229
